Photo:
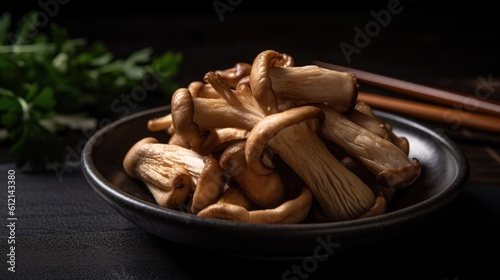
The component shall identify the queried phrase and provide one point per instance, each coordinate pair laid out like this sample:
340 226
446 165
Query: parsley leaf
47 77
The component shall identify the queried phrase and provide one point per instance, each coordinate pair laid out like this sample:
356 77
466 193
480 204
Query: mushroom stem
176 196
347 161
233 194
378 208
272 79
161 123
340 193
216 113
290 212
369 123
265 191
168 171
182 118
201 89
401 142
221 137
312 84
233 75
388 162
172 172
210 186
260 82
268 127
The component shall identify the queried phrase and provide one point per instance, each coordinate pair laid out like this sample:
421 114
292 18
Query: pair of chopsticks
484 116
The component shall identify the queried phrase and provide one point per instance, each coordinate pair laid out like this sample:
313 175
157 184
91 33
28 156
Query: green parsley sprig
50 83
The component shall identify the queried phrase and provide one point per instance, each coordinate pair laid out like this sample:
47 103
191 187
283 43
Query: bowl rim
108 191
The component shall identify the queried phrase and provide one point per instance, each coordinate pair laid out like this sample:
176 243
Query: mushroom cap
182 112
233 75
210 185
268 127
279 108
261 83
176 196
161 123
267 191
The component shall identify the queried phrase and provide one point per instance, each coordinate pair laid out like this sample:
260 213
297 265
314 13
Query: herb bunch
51 83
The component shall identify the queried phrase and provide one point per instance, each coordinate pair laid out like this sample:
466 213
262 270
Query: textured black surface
66 231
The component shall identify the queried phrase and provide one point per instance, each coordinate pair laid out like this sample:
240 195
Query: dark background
427 41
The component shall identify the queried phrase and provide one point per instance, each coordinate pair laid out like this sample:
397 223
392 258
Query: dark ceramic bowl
444 170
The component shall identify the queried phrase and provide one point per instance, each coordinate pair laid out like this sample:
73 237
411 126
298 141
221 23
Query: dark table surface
65 230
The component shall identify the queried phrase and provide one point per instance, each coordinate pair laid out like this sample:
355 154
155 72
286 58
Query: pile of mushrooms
271 142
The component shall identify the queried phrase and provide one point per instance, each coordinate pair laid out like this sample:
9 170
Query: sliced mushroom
214 139
172 172
220 138
261 83
389 163
340 192
211 182
290 212
182 118
268 127
233 194
161 123
201 89
271 80
233 75
312 84
283 109
388 192
265 191
370 123
357 168
401 142
378 208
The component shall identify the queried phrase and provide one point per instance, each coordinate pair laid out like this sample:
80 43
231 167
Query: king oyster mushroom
365 109
388 162
289 212
275 108
266 191
370 123
233 75
215 139
172 173
273 78
291 134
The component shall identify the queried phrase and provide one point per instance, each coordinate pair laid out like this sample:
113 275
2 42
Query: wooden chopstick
453 117
430 94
